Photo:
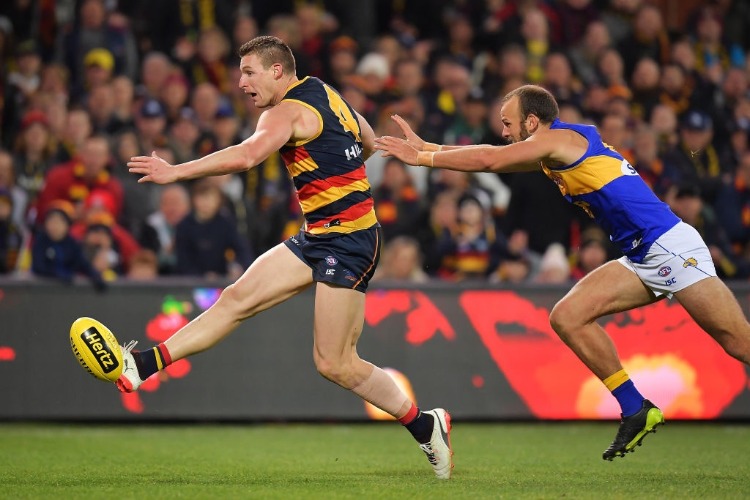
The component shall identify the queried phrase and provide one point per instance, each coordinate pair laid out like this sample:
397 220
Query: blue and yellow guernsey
328 170
610 191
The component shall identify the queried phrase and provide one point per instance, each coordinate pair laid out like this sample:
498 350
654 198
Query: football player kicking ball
324 143
663 256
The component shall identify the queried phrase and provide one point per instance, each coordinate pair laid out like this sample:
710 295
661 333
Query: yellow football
96 349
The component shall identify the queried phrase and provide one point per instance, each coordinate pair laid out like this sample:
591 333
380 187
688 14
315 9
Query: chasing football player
324 143
662 256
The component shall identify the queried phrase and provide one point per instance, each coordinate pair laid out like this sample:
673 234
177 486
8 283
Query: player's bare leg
273 278
607 290
339 317
715 309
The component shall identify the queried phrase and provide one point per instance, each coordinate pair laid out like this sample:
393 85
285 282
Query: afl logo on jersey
665 271
627 168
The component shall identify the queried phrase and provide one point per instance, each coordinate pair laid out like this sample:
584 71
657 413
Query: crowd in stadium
88 84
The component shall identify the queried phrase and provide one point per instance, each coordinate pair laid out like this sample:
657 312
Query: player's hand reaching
153 169
411 137
401 149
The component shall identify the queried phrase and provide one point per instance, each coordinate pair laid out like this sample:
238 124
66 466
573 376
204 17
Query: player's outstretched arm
413 140
518 157
275 128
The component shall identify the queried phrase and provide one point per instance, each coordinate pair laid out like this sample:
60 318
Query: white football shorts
675 261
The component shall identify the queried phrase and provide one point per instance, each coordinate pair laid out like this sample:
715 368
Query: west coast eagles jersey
328 170
610 191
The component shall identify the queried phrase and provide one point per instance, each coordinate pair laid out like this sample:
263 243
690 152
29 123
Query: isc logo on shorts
665 271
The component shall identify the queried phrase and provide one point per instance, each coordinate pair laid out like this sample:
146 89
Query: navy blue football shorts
343 259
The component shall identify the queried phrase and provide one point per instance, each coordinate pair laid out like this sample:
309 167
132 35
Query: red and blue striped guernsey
328 170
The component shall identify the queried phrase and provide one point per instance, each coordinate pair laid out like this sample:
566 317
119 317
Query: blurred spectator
55 254
648 39
101 108
98 70
207 243
688 204
676 88
694 159
245 29
537 208
22 82
554 267
143 266
174 96
139 199
33 153
19 197
397 203
77 129
123 94
151 124
645 87
100 248
309 18
158 234
205 100
575 16
663 121
470 123
342 61
226 125
91 30
733 208
585 54
712 57
441 217
507 72
74 180
451 84
209 64
155 69
401 261
594 251
186 139
97 211
535 33
612 74
519 263
473 250
560 80
618 15
11 234
616 133
286 27
648 163
172 26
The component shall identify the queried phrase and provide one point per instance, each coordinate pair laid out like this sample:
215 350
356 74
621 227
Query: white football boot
129 380
438 450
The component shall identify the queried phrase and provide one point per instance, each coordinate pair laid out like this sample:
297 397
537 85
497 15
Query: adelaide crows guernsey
610 191
328 170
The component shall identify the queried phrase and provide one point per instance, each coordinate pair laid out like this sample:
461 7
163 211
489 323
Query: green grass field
367 461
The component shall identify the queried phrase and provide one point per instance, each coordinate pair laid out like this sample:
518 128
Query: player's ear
532 122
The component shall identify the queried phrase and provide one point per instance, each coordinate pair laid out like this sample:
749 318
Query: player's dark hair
535 100
270 50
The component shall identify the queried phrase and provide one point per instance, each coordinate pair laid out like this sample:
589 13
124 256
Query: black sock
147 362
421 427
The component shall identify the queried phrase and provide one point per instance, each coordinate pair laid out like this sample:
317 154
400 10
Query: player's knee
736 346
562 320
334 369
235 303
